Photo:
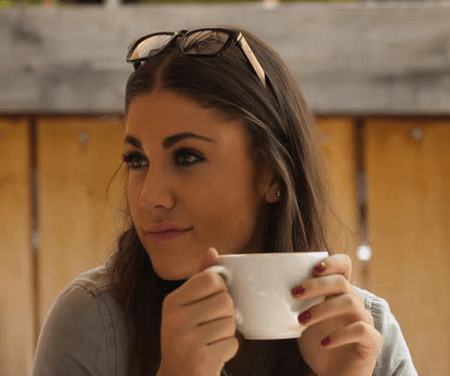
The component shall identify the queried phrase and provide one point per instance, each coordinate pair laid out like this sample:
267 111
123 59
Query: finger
366 337
209 258
216 330
335 264
350 306
335 284
224 350
196 288
212 308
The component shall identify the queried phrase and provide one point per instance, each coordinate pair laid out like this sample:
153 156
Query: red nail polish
297 291
304 317
326 341
320 268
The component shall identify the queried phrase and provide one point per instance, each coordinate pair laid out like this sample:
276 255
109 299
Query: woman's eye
193 158
182 157
132 160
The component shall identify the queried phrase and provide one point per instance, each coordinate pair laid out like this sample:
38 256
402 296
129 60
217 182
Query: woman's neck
242 363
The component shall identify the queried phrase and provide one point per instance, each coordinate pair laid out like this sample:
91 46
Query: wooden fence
388 178
388 173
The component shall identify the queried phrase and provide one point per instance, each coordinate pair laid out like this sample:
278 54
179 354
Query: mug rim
275 254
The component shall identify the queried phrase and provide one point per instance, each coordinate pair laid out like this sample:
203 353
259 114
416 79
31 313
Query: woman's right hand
198 327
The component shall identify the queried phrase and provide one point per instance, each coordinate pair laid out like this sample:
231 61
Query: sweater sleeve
76 339
394 358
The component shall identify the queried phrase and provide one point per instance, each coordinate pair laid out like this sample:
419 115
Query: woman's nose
155 191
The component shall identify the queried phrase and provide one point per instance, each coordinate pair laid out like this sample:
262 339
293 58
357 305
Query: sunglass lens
151 46
204 42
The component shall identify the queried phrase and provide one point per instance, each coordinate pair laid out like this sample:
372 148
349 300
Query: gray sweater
85 334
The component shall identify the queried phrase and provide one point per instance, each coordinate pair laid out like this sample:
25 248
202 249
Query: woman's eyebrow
169 141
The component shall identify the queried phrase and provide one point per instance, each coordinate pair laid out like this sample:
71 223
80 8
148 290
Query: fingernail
304 317
320 268
326 341
297 291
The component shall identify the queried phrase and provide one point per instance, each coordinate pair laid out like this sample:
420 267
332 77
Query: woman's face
209 186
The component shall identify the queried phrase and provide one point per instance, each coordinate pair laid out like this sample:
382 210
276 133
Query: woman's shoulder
94 288
84 329
90 292
379 309
376 305
394 357
97 280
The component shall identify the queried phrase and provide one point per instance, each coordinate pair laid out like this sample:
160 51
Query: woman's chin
173 275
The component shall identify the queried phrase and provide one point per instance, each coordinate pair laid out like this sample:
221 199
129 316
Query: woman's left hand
340 338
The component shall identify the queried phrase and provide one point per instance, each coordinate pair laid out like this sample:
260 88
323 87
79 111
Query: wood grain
79 223
408 175
349 58
17 337
337 136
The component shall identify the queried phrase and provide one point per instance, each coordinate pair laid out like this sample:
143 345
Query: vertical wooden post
338 148
408 175
77 158
17 337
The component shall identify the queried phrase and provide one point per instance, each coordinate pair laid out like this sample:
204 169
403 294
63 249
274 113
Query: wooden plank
79 223
337 136
17 337
348 58
408 174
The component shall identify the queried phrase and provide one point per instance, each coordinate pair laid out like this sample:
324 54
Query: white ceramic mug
260 285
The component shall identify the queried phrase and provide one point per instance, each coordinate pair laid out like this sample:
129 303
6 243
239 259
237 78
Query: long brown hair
282 131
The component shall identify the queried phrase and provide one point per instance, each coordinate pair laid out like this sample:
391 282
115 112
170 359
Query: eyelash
129 157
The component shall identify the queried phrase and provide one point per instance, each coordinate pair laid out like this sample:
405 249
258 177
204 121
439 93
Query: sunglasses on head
199 43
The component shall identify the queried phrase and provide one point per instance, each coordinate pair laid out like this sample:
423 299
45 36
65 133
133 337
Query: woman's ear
268 184
271 196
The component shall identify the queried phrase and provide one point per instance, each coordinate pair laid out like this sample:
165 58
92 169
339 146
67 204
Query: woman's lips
165 236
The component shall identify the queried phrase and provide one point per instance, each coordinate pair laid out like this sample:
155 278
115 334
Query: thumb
209 258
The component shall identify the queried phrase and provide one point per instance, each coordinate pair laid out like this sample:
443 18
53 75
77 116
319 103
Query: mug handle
226 276
221 271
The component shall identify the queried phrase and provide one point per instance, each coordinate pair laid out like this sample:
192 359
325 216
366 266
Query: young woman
221 159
